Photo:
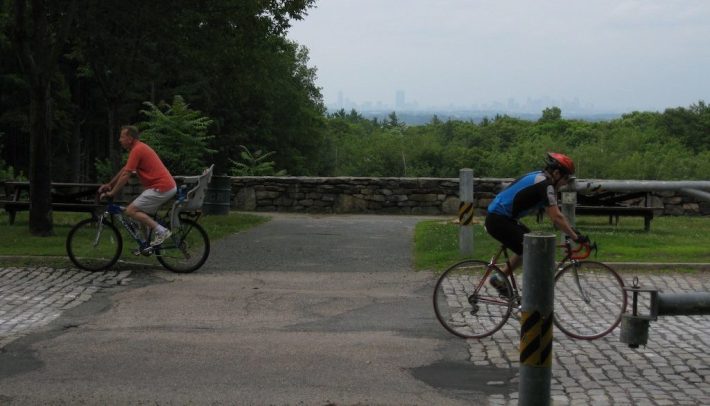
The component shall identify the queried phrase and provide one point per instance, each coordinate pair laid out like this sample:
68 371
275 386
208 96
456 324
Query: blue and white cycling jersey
524 196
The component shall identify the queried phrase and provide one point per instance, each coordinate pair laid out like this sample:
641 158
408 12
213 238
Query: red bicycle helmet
561 162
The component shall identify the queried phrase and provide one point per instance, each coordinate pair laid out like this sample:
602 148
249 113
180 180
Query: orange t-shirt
150 169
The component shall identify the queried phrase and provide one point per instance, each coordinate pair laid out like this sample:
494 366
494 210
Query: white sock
159 229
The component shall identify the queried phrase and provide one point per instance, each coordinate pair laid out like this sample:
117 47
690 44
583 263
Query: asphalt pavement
313 310
301 310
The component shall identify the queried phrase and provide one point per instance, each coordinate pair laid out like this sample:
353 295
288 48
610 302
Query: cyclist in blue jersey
526 195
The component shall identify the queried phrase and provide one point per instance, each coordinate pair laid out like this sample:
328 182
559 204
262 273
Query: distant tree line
674 144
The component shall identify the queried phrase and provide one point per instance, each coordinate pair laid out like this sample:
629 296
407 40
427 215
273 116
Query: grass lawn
671 239
23 249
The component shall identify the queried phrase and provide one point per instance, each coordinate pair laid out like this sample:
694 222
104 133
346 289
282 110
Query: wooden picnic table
71 197
612 205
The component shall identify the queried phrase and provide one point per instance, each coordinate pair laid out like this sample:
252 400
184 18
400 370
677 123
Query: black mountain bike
95 244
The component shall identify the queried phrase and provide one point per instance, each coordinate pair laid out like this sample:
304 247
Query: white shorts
150 200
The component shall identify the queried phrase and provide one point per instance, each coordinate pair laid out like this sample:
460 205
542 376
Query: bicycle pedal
474 310
148 251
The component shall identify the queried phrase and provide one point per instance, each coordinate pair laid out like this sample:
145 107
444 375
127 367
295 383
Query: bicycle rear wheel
94 248
466 304
186 249
589 300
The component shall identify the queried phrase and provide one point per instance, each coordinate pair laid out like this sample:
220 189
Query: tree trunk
76 160
39 45
75 155
113 147
41 158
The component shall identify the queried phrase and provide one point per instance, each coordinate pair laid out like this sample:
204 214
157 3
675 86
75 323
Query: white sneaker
160 237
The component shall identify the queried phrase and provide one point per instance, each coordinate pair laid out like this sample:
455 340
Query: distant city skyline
402 103
603 56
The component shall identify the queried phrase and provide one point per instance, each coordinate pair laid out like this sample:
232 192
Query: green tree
255 164
121 47
691 126
551 114
179 135
392 121
254 81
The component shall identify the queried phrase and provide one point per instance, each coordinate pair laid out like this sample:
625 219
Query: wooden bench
615 205
614 212
69 197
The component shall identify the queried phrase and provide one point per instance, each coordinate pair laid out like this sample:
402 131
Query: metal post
536 319
466 212
569 203
682 304
634 326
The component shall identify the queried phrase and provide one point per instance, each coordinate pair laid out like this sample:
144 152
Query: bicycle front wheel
589 300
186 249
94 246
466 304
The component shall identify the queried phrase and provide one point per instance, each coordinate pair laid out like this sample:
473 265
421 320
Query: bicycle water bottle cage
115 208
182 193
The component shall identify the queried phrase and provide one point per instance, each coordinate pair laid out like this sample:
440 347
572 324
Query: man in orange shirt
154 176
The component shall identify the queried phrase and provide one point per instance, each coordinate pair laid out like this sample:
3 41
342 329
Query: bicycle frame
95 244
572 255
492 264
115 211
465 296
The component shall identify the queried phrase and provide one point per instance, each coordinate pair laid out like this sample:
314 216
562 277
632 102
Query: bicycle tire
186 250
90 252
589 300
465 303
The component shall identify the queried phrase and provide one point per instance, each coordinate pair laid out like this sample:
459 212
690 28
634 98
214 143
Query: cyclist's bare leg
140 216
512 264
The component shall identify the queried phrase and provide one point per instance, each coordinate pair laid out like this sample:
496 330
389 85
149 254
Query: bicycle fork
582 292
98 230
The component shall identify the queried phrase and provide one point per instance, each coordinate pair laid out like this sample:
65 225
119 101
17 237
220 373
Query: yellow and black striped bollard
536 320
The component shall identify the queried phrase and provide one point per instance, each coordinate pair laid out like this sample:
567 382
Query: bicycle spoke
466 304
93 245
589 300
187 248
582 290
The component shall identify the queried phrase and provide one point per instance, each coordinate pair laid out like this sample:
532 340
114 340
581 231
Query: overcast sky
617 55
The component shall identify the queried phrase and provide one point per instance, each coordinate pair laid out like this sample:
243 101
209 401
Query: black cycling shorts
508 231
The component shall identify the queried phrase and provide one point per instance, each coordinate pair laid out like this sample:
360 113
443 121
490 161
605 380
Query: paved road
303 309
309 310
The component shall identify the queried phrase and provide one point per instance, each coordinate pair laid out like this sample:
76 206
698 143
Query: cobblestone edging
673 369
393 195
34 297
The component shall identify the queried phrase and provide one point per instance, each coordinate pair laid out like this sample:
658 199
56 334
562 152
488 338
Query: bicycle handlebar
581 251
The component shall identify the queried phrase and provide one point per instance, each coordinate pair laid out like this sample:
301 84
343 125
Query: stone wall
391 195
679 204
349 195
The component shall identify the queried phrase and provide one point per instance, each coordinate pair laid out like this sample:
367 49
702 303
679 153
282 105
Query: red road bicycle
589 296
